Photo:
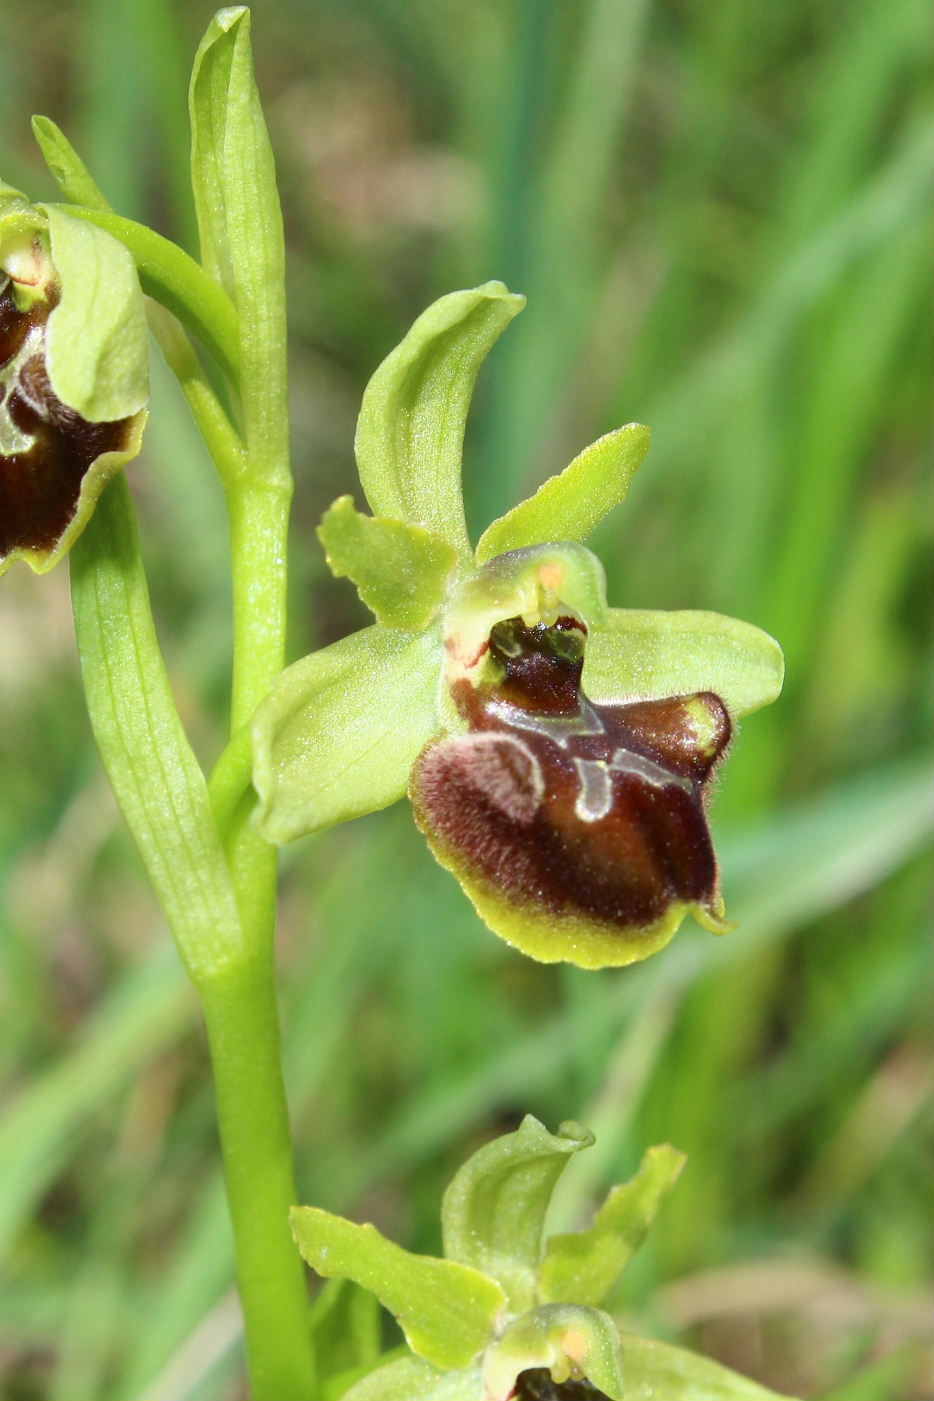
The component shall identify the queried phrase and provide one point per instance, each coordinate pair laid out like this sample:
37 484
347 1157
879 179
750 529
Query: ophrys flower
558 752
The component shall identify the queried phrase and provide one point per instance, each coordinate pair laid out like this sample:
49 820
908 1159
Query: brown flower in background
73 381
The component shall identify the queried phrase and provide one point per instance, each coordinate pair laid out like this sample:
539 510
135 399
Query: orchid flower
73 375
510 1313
557 752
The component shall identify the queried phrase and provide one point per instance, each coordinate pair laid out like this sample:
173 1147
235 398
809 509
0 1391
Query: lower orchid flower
508 1315
558 753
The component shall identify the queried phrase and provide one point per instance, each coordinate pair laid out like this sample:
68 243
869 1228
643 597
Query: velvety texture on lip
567 811
46 448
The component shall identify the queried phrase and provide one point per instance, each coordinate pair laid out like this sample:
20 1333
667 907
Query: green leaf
240 223
639 654
400 570
154 773
411 1379
410 432
569 505
494 1207
97 348
571 1342
341 729
660 1372
583 1266
447 1311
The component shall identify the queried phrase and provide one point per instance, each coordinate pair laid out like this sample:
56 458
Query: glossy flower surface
73 375
558 753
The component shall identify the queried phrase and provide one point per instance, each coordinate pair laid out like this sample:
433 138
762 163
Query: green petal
447 1311
340 730
411 1379
97 349
494 1207
410 432
639 654
571 1342
569 505
583 1266
400 570
660 1372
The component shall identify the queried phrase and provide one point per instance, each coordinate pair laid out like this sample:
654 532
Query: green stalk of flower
74 347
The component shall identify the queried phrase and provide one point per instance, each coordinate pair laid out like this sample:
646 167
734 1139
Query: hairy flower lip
568 823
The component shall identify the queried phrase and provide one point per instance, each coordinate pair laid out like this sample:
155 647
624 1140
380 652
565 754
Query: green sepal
400 570
447 1311
411 1379
571 1342
646 655
340 730
97 347
582 1267
410 432
494 1207
568 506
240 225
659 1372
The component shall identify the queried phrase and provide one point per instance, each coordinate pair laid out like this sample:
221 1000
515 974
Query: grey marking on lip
627 761
558 728
595 799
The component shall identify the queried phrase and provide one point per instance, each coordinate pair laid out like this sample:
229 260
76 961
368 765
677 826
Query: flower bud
73 375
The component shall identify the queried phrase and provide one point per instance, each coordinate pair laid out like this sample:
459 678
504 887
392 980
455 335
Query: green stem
259 516
243 1031
222 920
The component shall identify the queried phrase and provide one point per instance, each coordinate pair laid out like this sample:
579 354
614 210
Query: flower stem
243 1031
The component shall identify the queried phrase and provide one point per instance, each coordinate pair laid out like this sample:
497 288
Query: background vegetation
718 212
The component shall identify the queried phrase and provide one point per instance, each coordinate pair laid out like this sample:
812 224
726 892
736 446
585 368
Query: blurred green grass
719 216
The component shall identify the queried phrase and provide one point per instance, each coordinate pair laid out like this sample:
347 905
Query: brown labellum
46 448
537 1384
578 829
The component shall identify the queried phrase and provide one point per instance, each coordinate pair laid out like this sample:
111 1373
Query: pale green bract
504 1300
339 732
